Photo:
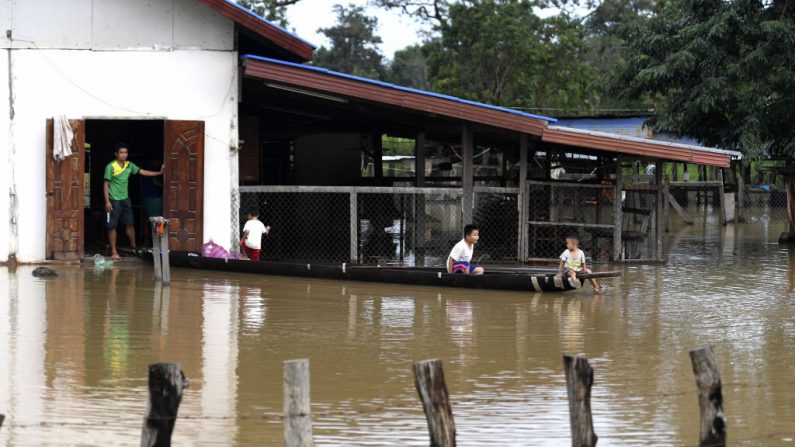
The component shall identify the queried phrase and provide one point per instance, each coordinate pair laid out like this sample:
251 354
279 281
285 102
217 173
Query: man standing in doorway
117 199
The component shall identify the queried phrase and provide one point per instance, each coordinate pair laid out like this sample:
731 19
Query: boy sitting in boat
252 235
572 262
461 255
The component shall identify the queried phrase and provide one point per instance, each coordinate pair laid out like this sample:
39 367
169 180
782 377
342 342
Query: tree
273 10
409 67
719 71
501 52
354 44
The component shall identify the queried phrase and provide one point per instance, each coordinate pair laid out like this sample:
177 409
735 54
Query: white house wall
114 25
187 85
5 166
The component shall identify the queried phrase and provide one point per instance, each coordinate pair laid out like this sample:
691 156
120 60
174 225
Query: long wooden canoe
521 279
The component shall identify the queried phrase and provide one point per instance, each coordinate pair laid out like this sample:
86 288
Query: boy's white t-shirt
255 230
462 251
574 262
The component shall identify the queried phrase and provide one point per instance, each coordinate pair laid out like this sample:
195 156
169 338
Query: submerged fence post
618 219
429 381
354 228
721 197
160 251
2 418
297 414
710 397
166 383
579 379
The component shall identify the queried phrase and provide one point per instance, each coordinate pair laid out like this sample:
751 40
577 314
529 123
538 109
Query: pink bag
213 250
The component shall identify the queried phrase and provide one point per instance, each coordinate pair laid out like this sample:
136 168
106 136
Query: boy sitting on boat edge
460 257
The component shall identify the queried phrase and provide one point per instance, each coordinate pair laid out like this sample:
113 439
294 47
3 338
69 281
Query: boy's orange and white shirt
573 261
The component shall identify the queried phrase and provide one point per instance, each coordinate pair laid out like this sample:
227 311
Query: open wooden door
183 182
64 188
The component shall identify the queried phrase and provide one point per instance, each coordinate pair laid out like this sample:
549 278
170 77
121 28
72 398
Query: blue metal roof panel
399 88
263 19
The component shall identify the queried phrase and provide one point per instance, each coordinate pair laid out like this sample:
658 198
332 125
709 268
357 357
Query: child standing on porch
252 235
572 262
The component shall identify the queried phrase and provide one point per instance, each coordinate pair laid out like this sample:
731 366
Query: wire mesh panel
305 225
766 204
558 210
496 213
407 227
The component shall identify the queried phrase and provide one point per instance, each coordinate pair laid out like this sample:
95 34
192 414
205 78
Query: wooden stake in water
166 383
2 418
579 379
297 414
429 381
710 397
160 251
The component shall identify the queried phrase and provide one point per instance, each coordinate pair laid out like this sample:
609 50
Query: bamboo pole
297 412
429 381
579 379
710 397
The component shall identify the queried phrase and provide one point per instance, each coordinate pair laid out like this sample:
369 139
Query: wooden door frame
53 235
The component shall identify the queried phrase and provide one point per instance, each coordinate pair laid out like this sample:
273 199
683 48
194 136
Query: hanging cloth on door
62 138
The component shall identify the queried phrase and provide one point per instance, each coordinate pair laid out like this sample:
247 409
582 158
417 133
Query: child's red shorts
252 253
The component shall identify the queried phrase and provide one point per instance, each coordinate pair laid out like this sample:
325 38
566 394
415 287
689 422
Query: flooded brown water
74 351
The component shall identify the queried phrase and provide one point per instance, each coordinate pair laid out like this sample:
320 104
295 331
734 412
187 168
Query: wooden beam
679 210
658 207
467 174
166 383
378 156
431 387
741 193
297 413
617 206
710 397
722 197
579 379
524 201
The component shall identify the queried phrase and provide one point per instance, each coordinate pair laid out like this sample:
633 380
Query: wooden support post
354 227
160 248
710 397
378 155
2 418
722 197
658 211
166 383
524 201
165 260
618 219
667 203
579 379
297 414
429 381
467 173
741 193
419 200
156 250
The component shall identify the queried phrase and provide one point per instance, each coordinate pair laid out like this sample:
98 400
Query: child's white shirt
573 262
462 251
255 230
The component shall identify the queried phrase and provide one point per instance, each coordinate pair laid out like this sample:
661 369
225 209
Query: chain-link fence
766 204
380 225
557 210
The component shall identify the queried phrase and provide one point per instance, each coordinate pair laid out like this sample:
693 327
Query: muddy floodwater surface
75 348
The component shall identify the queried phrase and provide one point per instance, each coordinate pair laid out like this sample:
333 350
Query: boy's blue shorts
463 266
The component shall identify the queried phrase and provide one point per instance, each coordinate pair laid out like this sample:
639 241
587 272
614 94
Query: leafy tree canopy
354 44
273 10
501 52
720 71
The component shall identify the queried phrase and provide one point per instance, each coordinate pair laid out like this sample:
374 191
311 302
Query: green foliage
501 52
719 71
354 44
409 67
273 10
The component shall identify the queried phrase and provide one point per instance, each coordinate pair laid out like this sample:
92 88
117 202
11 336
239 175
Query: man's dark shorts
122 214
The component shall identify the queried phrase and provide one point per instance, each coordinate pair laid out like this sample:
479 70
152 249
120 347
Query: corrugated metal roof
297 47
399 88
268 22
640 146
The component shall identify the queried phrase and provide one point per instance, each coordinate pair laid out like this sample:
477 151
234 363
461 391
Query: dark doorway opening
145 143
